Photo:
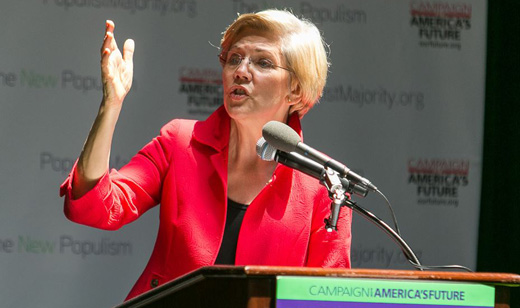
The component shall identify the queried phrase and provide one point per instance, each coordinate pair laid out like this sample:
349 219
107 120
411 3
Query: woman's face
255 85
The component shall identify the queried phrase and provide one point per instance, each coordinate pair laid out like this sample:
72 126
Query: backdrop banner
403 107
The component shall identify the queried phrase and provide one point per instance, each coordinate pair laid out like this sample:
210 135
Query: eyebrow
256 49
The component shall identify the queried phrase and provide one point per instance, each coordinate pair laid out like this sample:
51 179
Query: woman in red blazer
220 203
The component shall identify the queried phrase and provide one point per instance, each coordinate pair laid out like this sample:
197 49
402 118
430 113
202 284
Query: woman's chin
239 109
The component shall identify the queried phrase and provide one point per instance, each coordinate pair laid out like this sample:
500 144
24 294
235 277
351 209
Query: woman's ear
296 101
295 96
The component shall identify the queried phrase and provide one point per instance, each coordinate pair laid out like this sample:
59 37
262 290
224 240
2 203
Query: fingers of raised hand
109 42
109 26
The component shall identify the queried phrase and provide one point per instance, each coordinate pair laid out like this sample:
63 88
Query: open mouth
239 91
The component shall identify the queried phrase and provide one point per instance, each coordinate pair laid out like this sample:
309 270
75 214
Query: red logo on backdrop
203 87
440 24
438 180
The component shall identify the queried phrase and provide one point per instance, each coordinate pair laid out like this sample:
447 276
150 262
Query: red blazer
185 169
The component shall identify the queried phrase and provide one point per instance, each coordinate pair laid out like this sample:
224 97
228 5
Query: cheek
276 86
225 79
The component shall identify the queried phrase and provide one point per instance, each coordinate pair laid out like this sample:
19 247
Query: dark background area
499 234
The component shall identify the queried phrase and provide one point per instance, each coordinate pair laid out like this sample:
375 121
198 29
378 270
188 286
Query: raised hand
116 74
116 68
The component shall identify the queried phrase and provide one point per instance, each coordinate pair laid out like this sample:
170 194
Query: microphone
296 161
285 139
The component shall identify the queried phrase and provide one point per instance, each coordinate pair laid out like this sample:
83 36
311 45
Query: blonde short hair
301 45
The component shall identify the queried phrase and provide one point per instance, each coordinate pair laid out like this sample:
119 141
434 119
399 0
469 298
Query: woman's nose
243 69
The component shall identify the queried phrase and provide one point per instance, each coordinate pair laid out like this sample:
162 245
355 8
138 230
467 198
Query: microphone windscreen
281 136
264 150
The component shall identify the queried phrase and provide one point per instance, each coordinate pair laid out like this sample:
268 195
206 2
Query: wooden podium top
492 278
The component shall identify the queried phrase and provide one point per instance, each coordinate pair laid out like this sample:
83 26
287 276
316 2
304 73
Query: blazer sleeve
329 249
120 197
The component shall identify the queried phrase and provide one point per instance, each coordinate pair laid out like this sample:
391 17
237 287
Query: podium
283 287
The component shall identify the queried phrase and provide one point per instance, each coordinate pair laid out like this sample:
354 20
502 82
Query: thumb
128 50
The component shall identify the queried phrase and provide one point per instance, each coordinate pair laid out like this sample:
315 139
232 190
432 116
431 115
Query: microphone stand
331 180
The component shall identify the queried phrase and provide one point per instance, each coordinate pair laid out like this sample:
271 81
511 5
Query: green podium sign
300 292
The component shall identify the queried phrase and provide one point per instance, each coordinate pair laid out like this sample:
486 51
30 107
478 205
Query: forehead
258 41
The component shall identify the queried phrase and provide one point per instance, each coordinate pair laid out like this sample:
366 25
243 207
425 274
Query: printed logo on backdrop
380 256
438 181
67 80
163 7
374 97
61 164
309 9
203 89
65 245
440 24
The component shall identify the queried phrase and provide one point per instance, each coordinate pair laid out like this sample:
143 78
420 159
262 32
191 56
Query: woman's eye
234 59
264 63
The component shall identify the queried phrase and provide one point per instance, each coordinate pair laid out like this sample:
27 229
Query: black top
234 217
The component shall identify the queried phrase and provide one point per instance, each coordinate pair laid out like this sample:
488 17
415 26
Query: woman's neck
247 173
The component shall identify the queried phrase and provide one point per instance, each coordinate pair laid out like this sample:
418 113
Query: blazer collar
214 131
